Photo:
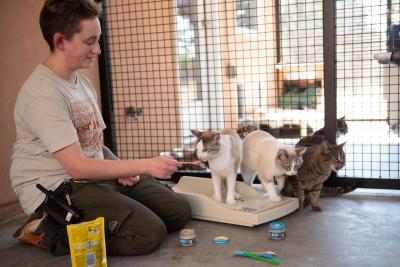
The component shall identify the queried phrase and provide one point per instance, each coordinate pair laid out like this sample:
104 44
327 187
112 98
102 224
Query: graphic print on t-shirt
87 125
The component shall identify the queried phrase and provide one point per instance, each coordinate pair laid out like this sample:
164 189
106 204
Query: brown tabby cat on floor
318 163
316 138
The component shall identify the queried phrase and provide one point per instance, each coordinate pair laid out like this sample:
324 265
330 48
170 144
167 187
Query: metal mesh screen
207 64
367 91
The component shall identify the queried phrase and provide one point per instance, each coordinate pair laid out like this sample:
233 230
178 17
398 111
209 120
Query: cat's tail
248 175
244 130
334 191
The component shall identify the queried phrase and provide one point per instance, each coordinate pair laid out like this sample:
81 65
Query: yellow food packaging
87 243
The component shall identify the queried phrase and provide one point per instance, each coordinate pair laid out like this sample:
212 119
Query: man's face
83 48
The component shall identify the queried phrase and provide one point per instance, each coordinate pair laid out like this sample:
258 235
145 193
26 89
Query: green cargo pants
137 218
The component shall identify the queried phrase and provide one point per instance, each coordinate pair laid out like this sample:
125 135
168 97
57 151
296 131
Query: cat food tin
277 230
187 238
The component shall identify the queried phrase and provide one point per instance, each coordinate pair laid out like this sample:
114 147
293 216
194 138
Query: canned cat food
187 238
277 230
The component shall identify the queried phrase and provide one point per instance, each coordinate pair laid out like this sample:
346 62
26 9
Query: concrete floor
357 229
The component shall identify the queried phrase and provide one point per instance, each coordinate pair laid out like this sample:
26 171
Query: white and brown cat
223 151
264 155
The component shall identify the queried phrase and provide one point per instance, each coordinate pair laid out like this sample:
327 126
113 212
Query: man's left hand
129 181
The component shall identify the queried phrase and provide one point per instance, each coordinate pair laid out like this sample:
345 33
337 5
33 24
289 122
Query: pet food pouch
87 243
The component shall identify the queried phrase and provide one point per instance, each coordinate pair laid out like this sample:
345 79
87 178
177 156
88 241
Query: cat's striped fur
318 163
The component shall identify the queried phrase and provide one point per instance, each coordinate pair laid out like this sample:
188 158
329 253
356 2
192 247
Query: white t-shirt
51 114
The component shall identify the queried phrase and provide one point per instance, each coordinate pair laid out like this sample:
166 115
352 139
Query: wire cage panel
212 64
141 42
368 91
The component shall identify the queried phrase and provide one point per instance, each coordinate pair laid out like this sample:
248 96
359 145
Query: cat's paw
316 208
238 196
217 198
230 201
275 198
300 209
301 206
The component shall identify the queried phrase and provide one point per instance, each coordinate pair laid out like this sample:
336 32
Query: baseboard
10 210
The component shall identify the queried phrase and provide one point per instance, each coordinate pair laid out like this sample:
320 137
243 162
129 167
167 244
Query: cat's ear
343 118
196 133
324 146
282 154
300 150
216 137
341 145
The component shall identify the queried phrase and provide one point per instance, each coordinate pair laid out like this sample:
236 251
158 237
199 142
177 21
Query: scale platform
253 209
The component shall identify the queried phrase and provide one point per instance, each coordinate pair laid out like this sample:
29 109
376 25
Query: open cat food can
187 238
277 230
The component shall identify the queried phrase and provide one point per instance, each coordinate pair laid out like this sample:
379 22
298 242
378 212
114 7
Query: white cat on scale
223 151
264 155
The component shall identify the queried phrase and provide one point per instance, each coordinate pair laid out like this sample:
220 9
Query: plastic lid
277 226
221 240
187 233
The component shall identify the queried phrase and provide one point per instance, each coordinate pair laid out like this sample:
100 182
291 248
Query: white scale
253 209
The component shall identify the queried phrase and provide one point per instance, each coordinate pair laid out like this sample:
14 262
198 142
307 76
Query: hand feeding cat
319 161
223 151
264 155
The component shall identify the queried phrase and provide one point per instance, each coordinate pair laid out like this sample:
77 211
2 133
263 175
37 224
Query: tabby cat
223 151
264 155
318 136
319 161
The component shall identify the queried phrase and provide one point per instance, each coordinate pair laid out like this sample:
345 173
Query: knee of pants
151 239
135 240
183 216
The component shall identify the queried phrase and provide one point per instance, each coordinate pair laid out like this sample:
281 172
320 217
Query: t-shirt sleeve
49 119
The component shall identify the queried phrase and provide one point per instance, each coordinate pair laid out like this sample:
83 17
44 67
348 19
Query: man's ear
58 40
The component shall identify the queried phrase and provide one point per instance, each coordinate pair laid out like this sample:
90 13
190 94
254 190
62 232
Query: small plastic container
220 240
187 238
277 230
